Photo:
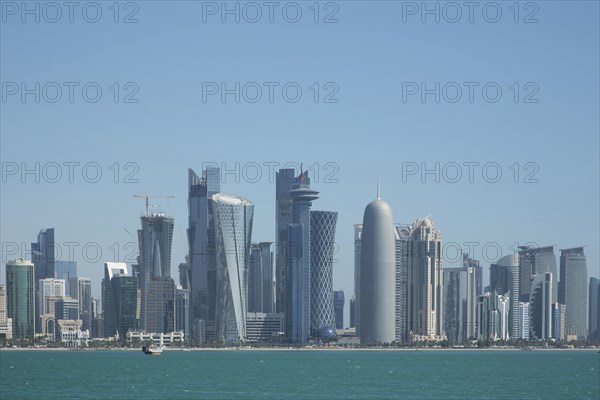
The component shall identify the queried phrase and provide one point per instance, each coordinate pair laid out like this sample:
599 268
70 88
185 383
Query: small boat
153 351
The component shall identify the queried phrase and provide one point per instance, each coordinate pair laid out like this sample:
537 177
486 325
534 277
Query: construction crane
147 197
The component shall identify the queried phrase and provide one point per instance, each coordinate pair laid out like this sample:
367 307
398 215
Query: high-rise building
473 275
352 313
202 262
96 307
182 311
233 233
377 274
572 292
5 323
535 261
160 306
285 179
425 280
65 270
184 275
455 299
81 289
322 248
155 243
120 300
297 286
522 322
558 321
540 306
20 297
260 278
43 253
49 287
594 310
404 250
356 302
338 306
492 310
504 277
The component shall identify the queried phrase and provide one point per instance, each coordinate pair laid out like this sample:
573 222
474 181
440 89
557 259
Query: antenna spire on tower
378 189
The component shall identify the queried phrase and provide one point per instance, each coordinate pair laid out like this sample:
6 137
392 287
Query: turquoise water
460 374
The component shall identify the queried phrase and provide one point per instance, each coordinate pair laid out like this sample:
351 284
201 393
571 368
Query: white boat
154 351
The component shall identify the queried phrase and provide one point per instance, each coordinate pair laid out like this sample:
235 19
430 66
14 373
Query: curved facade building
540 306
377 274
233 230
322 246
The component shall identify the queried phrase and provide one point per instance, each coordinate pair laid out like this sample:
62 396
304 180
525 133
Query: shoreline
167 349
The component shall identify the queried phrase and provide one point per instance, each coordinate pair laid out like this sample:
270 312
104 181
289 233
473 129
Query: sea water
300 374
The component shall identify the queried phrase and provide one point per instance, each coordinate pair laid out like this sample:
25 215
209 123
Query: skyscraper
540 306
322 248
403 258
536 260
473 283
120 300
558 321
160 305
182 311
338 306
297 287
491 317
425 280
20 297
49 287
377 274
260 278
285 179
357 247
155 242
352 305
594 310
43 254
233 234
504 277
65 270
81 289
202 262
455 298
522 321
572 292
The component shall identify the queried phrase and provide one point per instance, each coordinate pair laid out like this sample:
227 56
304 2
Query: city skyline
72 266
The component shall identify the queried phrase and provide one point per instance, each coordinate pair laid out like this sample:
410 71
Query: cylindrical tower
377 274
322 247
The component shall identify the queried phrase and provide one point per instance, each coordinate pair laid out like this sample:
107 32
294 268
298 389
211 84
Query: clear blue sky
369 133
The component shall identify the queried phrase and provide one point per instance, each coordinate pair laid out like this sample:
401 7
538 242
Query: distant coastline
167 349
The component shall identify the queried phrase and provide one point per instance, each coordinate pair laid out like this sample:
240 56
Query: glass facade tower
233 233
20 297
202 256
573 293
